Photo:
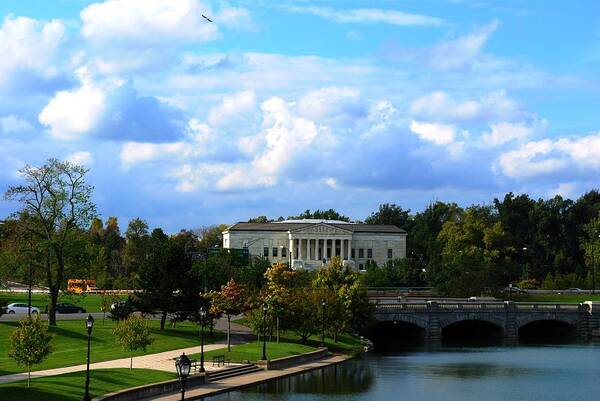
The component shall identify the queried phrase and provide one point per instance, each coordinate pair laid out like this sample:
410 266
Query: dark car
69 308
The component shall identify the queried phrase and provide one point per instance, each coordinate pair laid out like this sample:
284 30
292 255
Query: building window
370 253
274 251
329 252
283 252
266 251
352 253
361 253
390 253
361 266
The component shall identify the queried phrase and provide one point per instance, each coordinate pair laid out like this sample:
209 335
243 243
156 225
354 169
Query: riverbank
239 382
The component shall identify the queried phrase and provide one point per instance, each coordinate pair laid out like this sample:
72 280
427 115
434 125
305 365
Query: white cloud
549 156
150 21
460 52
531 159
232 106
324 103
438 134
73 113
439 105
284 135
29 44
368 16
13 124
196 141
81 158
502 133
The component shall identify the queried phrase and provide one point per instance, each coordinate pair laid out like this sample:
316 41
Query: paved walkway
231 383
159 361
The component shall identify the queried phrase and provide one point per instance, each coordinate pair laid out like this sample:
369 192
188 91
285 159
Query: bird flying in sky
206 18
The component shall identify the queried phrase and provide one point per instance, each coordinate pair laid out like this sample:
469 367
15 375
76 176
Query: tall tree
329 214
163 274
56 201
390 214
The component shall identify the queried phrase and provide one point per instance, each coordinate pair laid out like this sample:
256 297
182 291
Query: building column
300 246
316 250
308 249
349 249
342 256
291 250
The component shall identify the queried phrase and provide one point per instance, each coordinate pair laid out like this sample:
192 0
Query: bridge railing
479 306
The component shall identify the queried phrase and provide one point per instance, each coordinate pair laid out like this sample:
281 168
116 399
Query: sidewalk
232 383
159 361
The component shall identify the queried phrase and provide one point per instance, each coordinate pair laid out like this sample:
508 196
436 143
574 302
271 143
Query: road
44 316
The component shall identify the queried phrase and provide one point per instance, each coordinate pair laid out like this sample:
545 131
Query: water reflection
349 378
549 372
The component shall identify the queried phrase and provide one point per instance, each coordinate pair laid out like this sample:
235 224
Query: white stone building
309 243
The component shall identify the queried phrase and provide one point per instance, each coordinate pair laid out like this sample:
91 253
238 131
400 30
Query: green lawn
289 345
70 386
562 298
90 302
70 343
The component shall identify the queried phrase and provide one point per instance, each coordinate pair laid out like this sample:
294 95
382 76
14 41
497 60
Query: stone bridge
508 316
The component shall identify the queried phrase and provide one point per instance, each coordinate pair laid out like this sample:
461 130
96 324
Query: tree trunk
54 287
163 319
28 375
277 329
131 360
228 333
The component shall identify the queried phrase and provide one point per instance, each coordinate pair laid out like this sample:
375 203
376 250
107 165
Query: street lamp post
265 308
183 365
89 324
323 306
526 264
202 316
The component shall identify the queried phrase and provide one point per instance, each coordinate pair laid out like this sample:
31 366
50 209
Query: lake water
568 372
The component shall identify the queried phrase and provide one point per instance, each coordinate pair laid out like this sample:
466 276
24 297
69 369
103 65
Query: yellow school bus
79 286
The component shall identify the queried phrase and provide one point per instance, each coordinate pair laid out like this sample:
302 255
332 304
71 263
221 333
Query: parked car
69 308
515 290
573 291
19 308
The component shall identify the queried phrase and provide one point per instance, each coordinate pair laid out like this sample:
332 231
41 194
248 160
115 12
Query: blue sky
277 107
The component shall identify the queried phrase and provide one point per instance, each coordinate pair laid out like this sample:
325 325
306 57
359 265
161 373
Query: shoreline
243 381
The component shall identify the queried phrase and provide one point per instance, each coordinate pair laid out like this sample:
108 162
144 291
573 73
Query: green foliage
56 206
320 214
548 283
30 343
133 334
390 214
528 284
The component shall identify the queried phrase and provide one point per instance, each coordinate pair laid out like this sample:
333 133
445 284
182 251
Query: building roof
284 226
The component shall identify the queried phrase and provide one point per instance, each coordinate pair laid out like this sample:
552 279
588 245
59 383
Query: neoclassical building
309 243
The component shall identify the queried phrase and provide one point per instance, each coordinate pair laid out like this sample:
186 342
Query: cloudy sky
278 107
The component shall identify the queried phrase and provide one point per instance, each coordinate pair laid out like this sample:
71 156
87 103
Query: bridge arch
472 327
460 317
546 327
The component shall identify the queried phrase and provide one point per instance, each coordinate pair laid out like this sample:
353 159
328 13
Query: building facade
310 243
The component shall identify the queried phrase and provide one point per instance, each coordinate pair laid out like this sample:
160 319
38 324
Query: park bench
218 360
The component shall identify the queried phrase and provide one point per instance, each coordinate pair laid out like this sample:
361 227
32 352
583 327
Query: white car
19 308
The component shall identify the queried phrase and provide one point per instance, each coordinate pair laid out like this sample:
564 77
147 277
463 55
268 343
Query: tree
229 301
390 214
133 334
277 292
590 243
136 247
166 276
321 214
347 302
30 343
303 313
56 203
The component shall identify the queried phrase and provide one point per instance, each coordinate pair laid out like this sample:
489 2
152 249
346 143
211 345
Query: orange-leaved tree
230 301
